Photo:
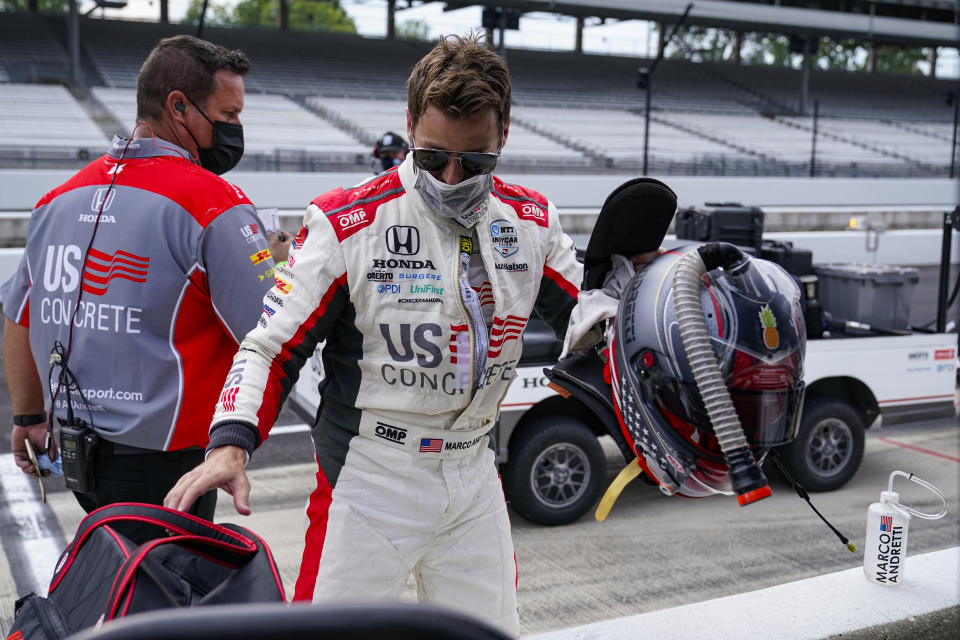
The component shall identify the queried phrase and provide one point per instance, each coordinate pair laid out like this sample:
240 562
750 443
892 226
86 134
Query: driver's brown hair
461 76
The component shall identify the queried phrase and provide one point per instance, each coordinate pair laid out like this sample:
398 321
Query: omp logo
531 210
260 256
390 432
351 219
943 354
403 240
61 269
103 198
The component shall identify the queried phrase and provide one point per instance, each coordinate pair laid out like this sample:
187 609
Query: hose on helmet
747 478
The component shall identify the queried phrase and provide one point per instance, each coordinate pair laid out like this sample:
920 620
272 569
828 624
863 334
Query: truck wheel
829 447
555 472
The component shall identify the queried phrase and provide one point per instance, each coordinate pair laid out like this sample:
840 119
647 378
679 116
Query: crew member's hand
38 440
222 469
279 245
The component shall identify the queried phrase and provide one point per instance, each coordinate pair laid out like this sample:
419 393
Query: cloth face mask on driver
457 201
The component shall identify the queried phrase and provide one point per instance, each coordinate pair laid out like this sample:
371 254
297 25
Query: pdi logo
103 198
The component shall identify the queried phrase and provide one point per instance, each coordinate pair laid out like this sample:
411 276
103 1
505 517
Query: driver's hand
223 469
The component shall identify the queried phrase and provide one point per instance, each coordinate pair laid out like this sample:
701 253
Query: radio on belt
77 445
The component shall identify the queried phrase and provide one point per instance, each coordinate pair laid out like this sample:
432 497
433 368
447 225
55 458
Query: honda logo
403 240
101 198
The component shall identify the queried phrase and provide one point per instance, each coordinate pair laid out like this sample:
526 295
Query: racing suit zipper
470 305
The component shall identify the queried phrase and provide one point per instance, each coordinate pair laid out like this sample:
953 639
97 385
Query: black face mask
389 163
227 146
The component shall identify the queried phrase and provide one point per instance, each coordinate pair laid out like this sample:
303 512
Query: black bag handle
220 551
181 523
156 515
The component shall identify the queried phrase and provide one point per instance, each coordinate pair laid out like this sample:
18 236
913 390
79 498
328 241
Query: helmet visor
769 417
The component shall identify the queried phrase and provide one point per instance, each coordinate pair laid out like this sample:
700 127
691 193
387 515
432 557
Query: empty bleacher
271 124
317 101
30 49
40 123
525 148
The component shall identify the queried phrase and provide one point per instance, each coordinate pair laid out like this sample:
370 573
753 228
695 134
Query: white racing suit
417 360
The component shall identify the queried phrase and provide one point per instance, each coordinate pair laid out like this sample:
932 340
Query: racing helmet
754 336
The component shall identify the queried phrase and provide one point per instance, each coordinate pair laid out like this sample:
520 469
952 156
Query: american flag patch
430 445
886 523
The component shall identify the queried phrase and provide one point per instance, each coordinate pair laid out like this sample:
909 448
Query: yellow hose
628 473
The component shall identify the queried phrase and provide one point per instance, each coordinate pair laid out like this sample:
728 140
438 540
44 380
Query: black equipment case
722 222
796 261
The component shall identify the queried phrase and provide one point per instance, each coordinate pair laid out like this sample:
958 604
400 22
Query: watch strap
29 419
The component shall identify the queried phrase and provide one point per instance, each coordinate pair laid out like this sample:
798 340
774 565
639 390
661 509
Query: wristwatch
29 419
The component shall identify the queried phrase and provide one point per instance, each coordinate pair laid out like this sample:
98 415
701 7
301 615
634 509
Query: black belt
106 447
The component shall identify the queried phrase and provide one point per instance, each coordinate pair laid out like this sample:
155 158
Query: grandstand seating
47 117
270 124
371 118
31 50
319 100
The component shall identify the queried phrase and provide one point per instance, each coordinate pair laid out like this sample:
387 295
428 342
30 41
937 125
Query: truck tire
829 446
555 472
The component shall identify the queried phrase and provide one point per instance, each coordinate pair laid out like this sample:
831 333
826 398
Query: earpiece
179 107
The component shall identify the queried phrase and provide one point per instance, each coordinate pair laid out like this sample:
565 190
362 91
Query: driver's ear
506 132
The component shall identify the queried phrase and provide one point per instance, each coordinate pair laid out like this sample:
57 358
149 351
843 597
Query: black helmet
754 334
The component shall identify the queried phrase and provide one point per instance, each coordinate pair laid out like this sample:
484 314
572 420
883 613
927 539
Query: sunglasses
473 163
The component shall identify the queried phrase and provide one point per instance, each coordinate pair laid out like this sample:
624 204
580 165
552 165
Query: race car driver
420 281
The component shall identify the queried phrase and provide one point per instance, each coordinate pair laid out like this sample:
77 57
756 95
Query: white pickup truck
552 461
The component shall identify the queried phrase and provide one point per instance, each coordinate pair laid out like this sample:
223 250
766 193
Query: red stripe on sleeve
561 282
271 395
